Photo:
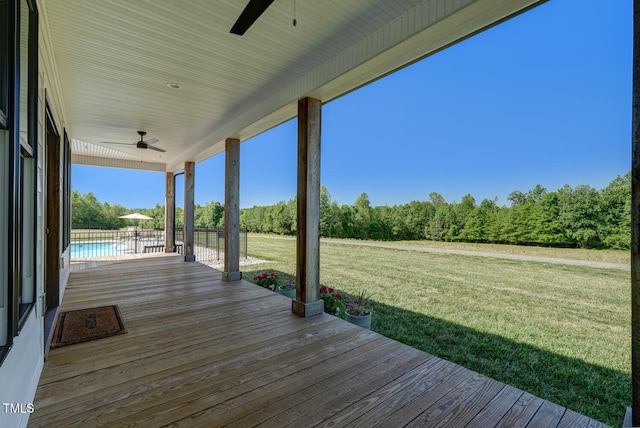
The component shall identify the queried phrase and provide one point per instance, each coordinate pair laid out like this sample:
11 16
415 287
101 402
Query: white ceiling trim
117 163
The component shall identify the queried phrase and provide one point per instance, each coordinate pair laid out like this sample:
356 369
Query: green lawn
557 331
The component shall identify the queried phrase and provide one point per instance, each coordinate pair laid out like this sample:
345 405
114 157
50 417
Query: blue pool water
88 249
97 249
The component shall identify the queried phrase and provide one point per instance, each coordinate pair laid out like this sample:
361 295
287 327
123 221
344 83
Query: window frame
10 72
28 148
6 28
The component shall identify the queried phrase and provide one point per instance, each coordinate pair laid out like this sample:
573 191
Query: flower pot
363 321
290 293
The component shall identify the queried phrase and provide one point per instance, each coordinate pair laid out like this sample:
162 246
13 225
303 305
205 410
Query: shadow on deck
201 352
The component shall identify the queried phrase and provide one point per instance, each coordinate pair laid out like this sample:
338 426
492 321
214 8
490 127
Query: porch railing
98 241
209 242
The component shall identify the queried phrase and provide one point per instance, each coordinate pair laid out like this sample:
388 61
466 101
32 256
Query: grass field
560 332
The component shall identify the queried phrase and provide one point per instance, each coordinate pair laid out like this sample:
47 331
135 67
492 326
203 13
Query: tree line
578 216
86 210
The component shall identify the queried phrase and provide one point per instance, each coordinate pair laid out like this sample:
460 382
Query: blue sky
544 98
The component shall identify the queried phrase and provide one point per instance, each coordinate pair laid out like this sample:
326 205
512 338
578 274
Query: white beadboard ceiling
114 59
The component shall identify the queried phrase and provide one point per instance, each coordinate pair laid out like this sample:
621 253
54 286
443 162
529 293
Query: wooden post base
231 276
306 310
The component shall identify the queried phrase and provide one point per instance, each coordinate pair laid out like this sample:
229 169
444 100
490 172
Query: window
25 229
27 288
4 239
5 24
18 153
23 117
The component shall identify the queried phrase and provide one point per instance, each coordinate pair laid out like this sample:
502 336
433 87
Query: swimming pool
89 249
83 250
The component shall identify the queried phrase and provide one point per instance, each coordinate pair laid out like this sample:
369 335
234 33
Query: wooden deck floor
200 352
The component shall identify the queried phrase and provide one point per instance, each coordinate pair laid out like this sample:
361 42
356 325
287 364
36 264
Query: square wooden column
633 413
232 211
307 302
169 214
189 211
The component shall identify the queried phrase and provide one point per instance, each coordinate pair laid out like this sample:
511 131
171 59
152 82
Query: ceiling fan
142 144
249 15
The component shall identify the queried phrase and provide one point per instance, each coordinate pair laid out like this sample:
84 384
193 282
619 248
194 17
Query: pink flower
272 287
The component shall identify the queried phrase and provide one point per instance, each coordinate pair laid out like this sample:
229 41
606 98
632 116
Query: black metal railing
208 242
98 241
91 242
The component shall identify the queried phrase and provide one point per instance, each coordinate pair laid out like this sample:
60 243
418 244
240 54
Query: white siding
20 372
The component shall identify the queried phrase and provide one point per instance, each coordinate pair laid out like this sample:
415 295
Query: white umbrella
136 216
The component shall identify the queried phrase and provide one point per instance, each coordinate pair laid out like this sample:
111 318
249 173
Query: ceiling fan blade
112 142
157 149
251 12
151 141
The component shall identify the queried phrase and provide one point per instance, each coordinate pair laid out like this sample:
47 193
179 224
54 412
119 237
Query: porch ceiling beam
117 163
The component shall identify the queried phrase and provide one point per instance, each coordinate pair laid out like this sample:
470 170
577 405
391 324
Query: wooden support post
307 302
635 220
169 214
232 211
189 211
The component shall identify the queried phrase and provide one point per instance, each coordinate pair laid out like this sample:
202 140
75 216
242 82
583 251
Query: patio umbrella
136 216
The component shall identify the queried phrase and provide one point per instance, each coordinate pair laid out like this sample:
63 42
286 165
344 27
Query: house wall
21 369
20 373
49 93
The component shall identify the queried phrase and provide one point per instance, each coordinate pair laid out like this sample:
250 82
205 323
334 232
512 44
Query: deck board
201 352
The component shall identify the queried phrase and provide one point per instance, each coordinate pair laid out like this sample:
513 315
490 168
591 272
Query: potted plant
268 280
357 313
333 303
289 287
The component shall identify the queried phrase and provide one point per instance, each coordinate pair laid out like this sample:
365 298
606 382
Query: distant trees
572 217
86 210
211 215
